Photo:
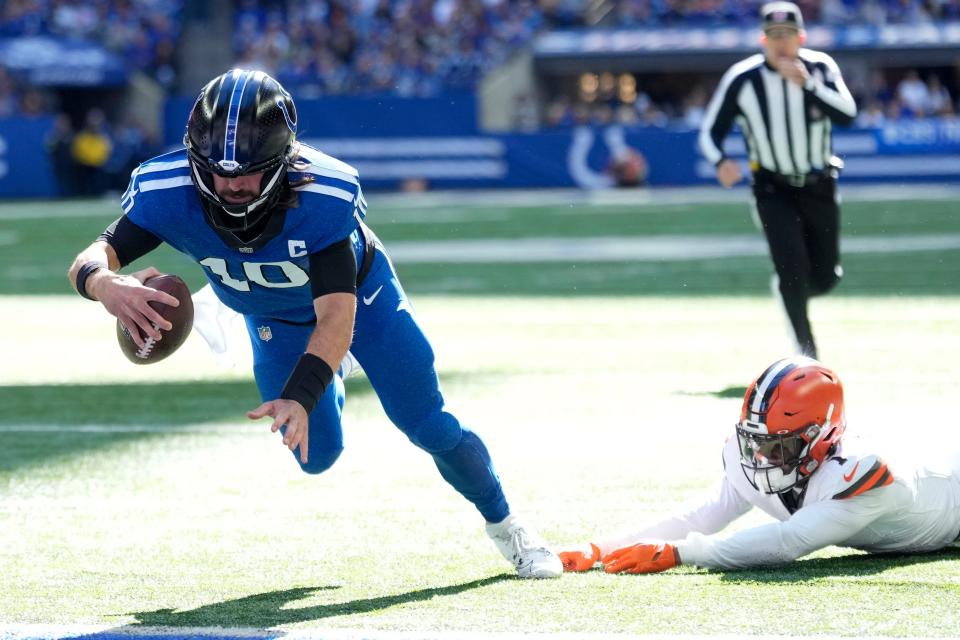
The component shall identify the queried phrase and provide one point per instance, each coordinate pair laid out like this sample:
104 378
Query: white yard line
525 198
531 198
667 248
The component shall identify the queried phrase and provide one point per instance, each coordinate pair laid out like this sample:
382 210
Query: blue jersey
273 280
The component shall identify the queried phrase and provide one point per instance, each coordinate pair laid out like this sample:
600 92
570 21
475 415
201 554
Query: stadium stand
143 32
385 46
485 73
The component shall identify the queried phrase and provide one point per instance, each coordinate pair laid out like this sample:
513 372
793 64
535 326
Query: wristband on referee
307 381
86 270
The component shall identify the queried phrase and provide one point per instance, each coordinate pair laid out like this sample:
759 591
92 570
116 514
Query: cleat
525 549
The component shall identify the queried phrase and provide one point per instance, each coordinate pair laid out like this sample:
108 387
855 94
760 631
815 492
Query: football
181 317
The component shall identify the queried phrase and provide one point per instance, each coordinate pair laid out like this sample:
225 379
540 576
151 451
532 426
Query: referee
785 101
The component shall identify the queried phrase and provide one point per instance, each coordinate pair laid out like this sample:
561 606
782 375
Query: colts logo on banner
265 333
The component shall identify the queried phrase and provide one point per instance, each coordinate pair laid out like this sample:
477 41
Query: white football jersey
857 501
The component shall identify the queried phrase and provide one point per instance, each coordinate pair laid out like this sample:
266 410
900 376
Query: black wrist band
85 271
307 381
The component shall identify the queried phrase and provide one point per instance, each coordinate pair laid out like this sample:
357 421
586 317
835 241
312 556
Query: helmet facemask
238 217
775 463
242 123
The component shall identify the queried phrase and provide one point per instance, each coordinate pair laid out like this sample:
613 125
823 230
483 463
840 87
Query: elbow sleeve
334 269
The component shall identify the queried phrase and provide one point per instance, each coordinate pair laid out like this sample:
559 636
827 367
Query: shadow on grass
840 566
728 392
41 423
272 609
275 608
139 403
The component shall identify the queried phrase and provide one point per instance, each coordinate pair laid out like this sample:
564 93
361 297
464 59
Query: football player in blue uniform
278 228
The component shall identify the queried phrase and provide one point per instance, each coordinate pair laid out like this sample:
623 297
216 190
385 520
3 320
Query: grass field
133 498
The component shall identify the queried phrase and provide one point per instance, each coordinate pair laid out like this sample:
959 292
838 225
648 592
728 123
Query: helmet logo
228 165
291 124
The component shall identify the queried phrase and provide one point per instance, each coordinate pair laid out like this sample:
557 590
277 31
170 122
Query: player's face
782 42
238 190
771 451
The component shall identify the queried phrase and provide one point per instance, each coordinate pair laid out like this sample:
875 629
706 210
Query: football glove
581 559
649 557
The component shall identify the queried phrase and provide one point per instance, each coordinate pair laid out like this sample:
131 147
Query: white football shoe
525 549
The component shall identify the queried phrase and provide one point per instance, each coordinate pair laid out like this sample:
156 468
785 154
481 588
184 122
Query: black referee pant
802 226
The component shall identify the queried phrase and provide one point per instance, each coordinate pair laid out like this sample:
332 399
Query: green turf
141 496
39 250
600 413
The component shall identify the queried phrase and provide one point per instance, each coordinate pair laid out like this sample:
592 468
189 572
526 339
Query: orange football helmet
791 421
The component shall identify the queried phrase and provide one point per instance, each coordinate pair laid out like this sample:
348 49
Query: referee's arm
829 91
719 116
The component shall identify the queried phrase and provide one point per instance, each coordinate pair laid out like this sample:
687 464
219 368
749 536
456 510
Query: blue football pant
399 362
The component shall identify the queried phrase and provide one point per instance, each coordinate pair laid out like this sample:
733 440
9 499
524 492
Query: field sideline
139 501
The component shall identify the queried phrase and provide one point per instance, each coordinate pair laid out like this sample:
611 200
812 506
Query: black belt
795 180
370 243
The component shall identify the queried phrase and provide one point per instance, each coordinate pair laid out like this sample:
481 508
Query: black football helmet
243 122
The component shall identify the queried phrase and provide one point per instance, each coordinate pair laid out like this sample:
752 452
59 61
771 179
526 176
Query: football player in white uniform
786 460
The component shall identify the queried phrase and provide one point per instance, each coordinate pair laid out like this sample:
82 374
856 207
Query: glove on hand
581 559
650 557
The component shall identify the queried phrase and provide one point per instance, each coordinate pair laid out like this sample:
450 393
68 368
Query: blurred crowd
425 47
607 99
90 154
428 47
96 157
408 47
675 13
17 98
914 96
143 32
402 47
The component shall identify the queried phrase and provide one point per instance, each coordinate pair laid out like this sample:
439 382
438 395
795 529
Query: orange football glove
581 559
649 557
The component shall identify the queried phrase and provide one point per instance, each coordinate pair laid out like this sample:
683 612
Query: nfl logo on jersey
265 333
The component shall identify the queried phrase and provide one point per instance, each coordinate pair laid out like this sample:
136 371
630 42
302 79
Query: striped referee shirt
787 127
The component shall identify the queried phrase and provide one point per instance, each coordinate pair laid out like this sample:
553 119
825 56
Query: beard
237 197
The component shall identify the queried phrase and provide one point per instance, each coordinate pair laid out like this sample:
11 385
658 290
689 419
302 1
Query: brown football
181 317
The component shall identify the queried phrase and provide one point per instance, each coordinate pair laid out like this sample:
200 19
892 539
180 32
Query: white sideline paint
668 248
102 632
536 198
647 196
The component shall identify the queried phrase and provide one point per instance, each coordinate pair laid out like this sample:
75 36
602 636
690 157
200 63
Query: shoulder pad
861 475
322 163
156 177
